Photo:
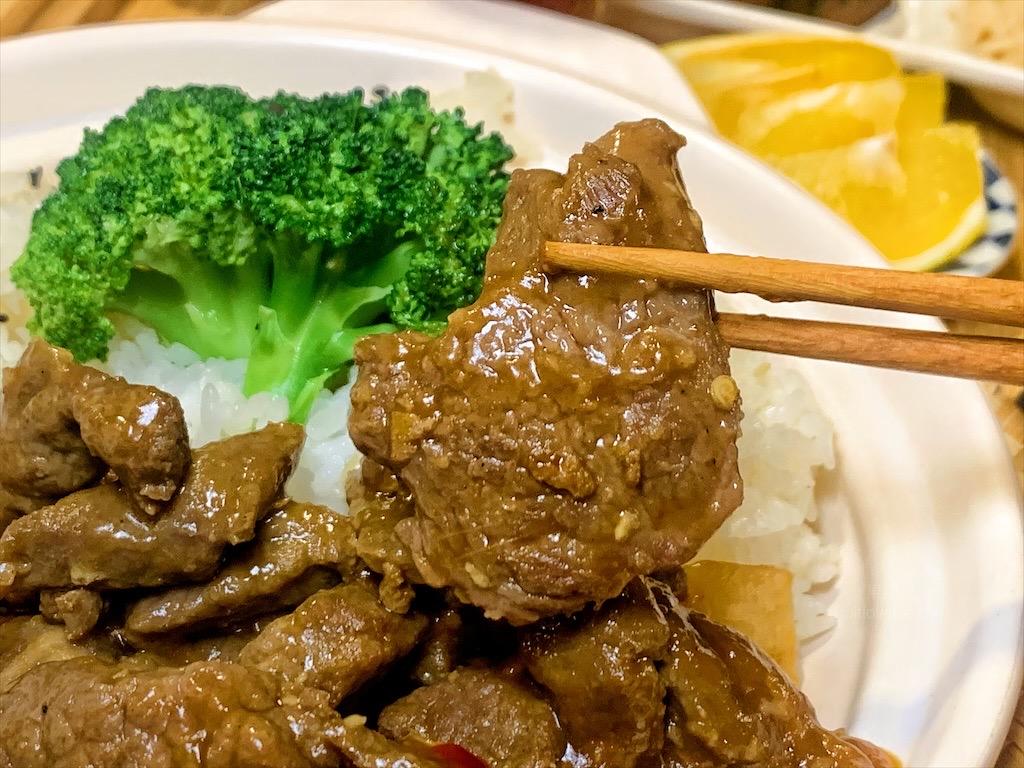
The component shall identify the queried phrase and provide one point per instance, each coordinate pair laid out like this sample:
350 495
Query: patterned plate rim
991 250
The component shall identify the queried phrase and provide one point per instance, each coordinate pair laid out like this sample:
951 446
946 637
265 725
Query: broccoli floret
279 230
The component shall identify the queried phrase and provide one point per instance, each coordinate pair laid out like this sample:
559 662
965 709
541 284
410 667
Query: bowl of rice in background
994 29
897 515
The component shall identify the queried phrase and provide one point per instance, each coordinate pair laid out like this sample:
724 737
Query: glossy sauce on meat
140 433
63 425
561 437
486 712
336 641
85 712
42 454
298 550
95 537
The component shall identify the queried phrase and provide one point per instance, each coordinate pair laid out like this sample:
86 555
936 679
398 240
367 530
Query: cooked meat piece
175 651
496 718
94 537
298 550
140 433
84 713
27 642
377 501
42 453
600 669
730 704
644 682
364 748
232 483
7 516
336 641
565 433
13 505
438 656
63 424
77 609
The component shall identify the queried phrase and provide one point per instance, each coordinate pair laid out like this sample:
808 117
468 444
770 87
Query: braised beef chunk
734 705
42 454
233 483
77 609
95 537
298 550
496 718
561 436
644 682
362 747
85 713
140 433
27 642
63 424
91 537
377 501
600 671
337 640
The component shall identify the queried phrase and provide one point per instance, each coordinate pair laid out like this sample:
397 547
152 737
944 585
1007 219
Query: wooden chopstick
986 300
946 354
971 357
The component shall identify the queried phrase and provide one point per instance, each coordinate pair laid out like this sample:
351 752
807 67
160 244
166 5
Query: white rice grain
787 442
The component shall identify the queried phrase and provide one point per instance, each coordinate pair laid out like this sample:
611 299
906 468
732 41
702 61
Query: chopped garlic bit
724 392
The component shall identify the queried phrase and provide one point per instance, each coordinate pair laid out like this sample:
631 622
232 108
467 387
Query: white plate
926 659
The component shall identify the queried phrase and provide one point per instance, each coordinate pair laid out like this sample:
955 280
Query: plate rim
972 266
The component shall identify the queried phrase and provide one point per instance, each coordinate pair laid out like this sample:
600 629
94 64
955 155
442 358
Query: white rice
486 97
18 199
787 440
210 392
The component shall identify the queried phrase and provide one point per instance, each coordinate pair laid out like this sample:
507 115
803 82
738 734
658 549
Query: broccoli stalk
307 328
208 307
279 230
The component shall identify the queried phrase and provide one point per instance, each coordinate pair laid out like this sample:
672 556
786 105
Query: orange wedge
918 198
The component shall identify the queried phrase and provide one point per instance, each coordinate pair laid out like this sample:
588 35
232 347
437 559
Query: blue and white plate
992 248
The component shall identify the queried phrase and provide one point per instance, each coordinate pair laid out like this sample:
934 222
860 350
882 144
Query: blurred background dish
989 30
841 118
923 34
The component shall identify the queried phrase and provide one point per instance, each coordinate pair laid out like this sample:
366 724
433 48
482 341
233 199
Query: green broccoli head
438 174
155 182
280 229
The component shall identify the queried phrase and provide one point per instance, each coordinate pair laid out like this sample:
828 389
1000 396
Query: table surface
1005 145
